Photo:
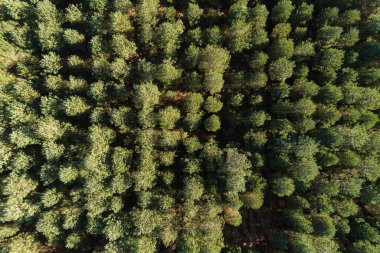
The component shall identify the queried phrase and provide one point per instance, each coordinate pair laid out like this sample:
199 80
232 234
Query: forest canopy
189 126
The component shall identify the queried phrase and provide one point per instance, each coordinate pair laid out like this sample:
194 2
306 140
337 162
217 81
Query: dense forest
190 126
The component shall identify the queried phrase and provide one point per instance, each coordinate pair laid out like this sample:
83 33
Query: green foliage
191 126
282 11
329 35
114 229
346 207
214 59
212 123
193 189
329 15
167 36
349 159
120 23
167 73
73 241
281 31
325 244
283 186
324 226
73 37
193 120
48 225
52 151
68 174
327 115
330 59
212 104
351 17
331 94
370 76
260 37
75 106
303 13
364 231
364 246
349 38
258 60
259 15
25 243
168 117
234 162
73 13
51 63
122 46
282 48
194 13
213 82
147 95
192 144
258 118
237 36
281 69
304 51
302 243
193 102
51 197
299 222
